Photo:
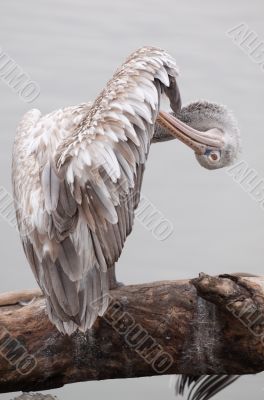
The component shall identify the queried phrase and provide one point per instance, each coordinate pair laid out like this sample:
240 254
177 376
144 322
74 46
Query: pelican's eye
214 156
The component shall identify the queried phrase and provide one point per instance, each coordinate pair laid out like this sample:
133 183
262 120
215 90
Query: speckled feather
77 176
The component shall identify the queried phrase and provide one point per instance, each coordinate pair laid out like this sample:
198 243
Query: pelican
77 174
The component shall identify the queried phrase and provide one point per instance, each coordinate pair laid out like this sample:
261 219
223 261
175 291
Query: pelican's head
209 129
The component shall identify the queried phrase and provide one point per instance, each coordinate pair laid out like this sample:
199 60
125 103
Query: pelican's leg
113 283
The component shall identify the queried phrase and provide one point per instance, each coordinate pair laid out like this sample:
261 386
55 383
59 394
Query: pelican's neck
201 116
161 134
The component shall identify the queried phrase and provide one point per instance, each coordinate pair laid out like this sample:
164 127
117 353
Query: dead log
209 325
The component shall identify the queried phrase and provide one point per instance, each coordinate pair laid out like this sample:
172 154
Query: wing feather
88 163
203 387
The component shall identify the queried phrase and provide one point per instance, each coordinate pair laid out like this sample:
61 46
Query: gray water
70 48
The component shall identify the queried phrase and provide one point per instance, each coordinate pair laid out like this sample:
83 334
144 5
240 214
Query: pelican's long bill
199 141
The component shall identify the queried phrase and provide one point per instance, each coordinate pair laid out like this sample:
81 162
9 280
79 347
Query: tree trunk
151 329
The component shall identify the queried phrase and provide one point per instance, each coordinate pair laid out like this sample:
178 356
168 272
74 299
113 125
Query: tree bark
208 325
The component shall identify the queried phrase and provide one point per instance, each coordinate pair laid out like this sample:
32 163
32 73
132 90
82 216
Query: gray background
71 48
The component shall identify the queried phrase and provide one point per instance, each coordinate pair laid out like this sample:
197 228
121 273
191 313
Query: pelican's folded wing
91 187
